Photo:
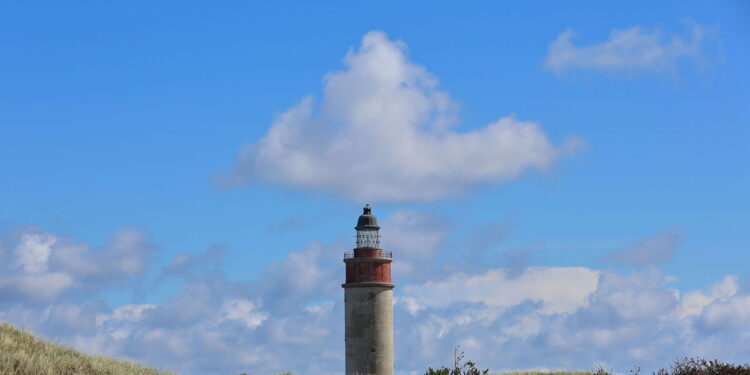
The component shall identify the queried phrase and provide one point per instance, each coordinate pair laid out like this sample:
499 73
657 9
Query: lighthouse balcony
368 253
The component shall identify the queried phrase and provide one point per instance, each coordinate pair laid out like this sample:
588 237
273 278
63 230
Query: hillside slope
23 354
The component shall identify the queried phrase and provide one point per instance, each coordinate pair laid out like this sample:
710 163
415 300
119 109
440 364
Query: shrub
694 366
699 366
465 368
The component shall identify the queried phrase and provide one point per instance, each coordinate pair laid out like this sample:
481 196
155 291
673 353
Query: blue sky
174 157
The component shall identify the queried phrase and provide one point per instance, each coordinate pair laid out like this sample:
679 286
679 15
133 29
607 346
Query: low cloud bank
290 318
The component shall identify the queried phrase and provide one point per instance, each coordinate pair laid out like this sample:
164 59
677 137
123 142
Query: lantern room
368 230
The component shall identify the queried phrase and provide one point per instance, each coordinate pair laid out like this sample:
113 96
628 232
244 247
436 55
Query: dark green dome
367 220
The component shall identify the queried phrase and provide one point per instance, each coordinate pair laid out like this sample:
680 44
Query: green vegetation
459 366
685 366
693 366
23 354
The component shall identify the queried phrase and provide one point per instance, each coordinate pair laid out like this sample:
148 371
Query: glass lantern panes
368 238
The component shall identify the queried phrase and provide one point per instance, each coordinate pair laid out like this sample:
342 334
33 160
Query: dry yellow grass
23 354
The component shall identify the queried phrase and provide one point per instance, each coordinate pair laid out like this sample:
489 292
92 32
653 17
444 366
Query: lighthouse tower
368 300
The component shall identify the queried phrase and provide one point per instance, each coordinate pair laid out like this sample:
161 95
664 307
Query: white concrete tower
368 302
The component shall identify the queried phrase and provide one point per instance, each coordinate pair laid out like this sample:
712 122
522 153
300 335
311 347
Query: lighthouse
368 302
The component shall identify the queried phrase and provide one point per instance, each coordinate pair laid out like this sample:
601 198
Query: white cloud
526 326
132 312
732 314
44 265
382 133
694 302
244 311
29 275
33 250
37 286
298 272
636 296
558 289
635 48
626 320
126 252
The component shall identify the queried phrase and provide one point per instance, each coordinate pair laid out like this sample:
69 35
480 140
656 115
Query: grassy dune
23 354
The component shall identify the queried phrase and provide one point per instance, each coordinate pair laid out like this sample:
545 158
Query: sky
563 184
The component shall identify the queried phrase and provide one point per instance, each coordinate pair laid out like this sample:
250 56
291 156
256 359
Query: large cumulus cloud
384 121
